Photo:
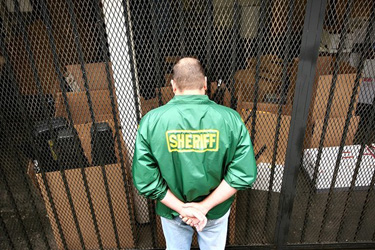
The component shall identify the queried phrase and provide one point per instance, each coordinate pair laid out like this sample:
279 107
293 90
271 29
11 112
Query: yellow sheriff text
192 140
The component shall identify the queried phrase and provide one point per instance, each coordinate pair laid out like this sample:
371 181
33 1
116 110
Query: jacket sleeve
242 170
146 174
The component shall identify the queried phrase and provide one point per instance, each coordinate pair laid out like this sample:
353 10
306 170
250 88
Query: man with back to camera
192 155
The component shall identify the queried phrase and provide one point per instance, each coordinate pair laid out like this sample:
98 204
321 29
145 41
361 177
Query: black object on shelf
35 105
69 149
103 145
47 155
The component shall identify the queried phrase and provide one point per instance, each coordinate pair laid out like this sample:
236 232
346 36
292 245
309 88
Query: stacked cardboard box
265 129
318 106
270 81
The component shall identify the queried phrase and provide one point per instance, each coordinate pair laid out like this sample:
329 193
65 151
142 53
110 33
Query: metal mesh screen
77 77
335 185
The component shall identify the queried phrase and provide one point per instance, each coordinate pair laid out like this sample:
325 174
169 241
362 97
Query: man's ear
174 88
205 83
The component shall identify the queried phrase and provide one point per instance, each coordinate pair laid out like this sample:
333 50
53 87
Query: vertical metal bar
131 57
312 30
88 95
47 21
40 93
209 26
364 51
325 124
279 111
155 43
235 34
4 52
6 233
14 205
262 23
181 22
344 31
105 53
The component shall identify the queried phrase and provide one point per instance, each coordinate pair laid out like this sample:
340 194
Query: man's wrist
205 207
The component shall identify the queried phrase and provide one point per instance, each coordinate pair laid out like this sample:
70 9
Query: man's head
188 76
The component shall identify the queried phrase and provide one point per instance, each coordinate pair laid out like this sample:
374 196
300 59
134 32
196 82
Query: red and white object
346 167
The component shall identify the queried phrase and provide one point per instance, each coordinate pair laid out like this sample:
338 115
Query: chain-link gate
77 76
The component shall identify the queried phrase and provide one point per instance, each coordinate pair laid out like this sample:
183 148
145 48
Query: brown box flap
80 109
96 75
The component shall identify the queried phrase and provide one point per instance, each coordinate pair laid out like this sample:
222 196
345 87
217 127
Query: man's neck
190 92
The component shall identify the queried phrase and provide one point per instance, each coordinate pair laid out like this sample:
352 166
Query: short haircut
188 74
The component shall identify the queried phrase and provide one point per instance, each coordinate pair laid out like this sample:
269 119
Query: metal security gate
76 77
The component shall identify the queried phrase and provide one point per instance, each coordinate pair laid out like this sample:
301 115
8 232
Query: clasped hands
194 214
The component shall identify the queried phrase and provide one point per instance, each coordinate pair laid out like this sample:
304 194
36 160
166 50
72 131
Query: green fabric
190 145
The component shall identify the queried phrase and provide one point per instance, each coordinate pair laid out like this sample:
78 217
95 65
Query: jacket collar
189 99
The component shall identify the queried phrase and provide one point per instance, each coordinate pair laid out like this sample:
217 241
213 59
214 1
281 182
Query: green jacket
190 145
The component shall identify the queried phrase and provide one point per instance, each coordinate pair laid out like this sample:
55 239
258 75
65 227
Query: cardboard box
100 204
333 134
42 53
264 107
80 109
244 80
226 97
322 84
346 167
245 87
166 94
148 105
2 62
95 73
264 174
265 128
168 78
99 199
265 62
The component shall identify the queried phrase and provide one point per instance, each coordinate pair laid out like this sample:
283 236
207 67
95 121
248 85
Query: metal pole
312 31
